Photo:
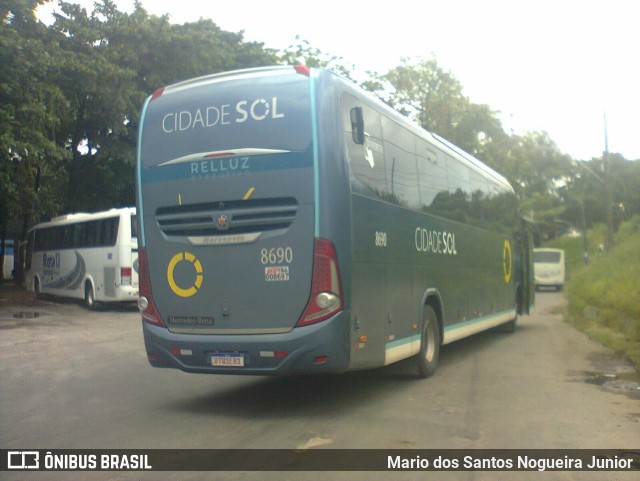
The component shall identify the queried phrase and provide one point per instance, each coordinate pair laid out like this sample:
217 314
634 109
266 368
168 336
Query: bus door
527 278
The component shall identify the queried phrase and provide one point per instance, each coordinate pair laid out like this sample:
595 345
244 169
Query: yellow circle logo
507 261
197 266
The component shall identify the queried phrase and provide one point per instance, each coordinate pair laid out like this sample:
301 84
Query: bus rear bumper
549 281
318 348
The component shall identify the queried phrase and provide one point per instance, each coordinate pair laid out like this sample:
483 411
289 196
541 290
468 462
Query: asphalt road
72 379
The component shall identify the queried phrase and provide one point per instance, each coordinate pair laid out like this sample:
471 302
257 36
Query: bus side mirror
357 125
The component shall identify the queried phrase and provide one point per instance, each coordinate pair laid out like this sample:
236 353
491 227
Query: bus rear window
271 113
543 257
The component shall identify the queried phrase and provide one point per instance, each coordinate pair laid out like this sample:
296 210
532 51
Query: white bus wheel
89 296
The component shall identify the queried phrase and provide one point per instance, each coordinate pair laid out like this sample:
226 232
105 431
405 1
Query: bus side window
91 234
459 200
432 177
402 170
109 232
366 160
479 191
357 125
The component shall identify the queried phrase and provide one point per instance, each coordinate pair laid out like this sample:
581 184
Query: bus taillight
302 70
145 302
326 291
157 93
125 276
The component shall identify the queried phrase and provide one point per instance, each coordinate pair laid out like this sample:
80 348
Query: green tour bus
290 222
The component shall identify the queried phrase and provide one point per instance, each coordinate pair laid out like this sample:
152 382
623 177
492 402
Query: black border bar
320 460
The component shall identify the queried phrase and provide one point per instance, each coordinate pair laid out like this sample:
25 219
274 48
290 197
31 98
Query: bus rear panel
226 178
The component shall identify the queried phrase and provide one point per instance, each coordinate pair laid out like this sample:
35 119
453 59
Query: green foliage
434 98
532 162
70 96
628 229
576 245
30 116
584 196
604 296
555 191
303 53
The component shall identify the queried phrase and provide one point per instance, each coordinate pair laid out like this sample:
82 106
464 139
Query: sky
559 66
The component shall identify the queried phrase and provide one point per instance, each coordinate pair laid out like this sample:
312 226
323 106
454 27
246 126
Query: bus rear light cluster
321 360
326 291
125 276
145 303
302 70
274 354
176 351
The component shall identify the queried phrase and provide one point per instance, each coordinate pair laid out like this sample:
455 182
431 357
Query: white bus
7 255
85 256
549 268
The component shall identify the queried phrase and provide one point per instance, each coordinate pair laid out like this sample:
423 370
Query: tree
30 120
113 60
303 53
532 162
585 195
100 93
434 98
70 96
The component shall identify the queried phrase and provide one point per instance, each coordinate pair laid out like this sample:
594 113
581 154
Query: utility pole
608 188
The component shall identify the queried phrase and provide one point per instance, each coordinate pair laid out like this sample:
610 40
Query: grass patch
604 296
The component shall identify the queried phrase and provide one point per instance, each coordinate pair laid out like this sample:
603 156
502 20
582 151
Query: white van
549 268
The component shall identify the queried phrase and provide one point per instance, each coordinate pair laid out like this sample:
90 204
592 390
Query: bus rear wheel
36 288
430 343
89 297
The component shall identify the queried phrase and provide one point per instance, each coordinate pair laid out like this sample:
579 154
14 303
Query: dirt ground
13 294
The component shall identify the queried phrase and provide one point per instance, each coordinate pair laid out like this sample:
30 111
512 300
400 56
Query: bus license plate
227 359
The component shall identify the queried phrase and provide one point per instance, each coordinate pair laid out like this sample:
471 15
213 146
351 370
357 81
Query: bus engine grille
227 218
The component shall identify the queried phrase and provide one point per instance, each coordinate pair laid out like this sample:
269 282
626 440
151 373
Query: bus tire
89 297
509 327
36 288
430 343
